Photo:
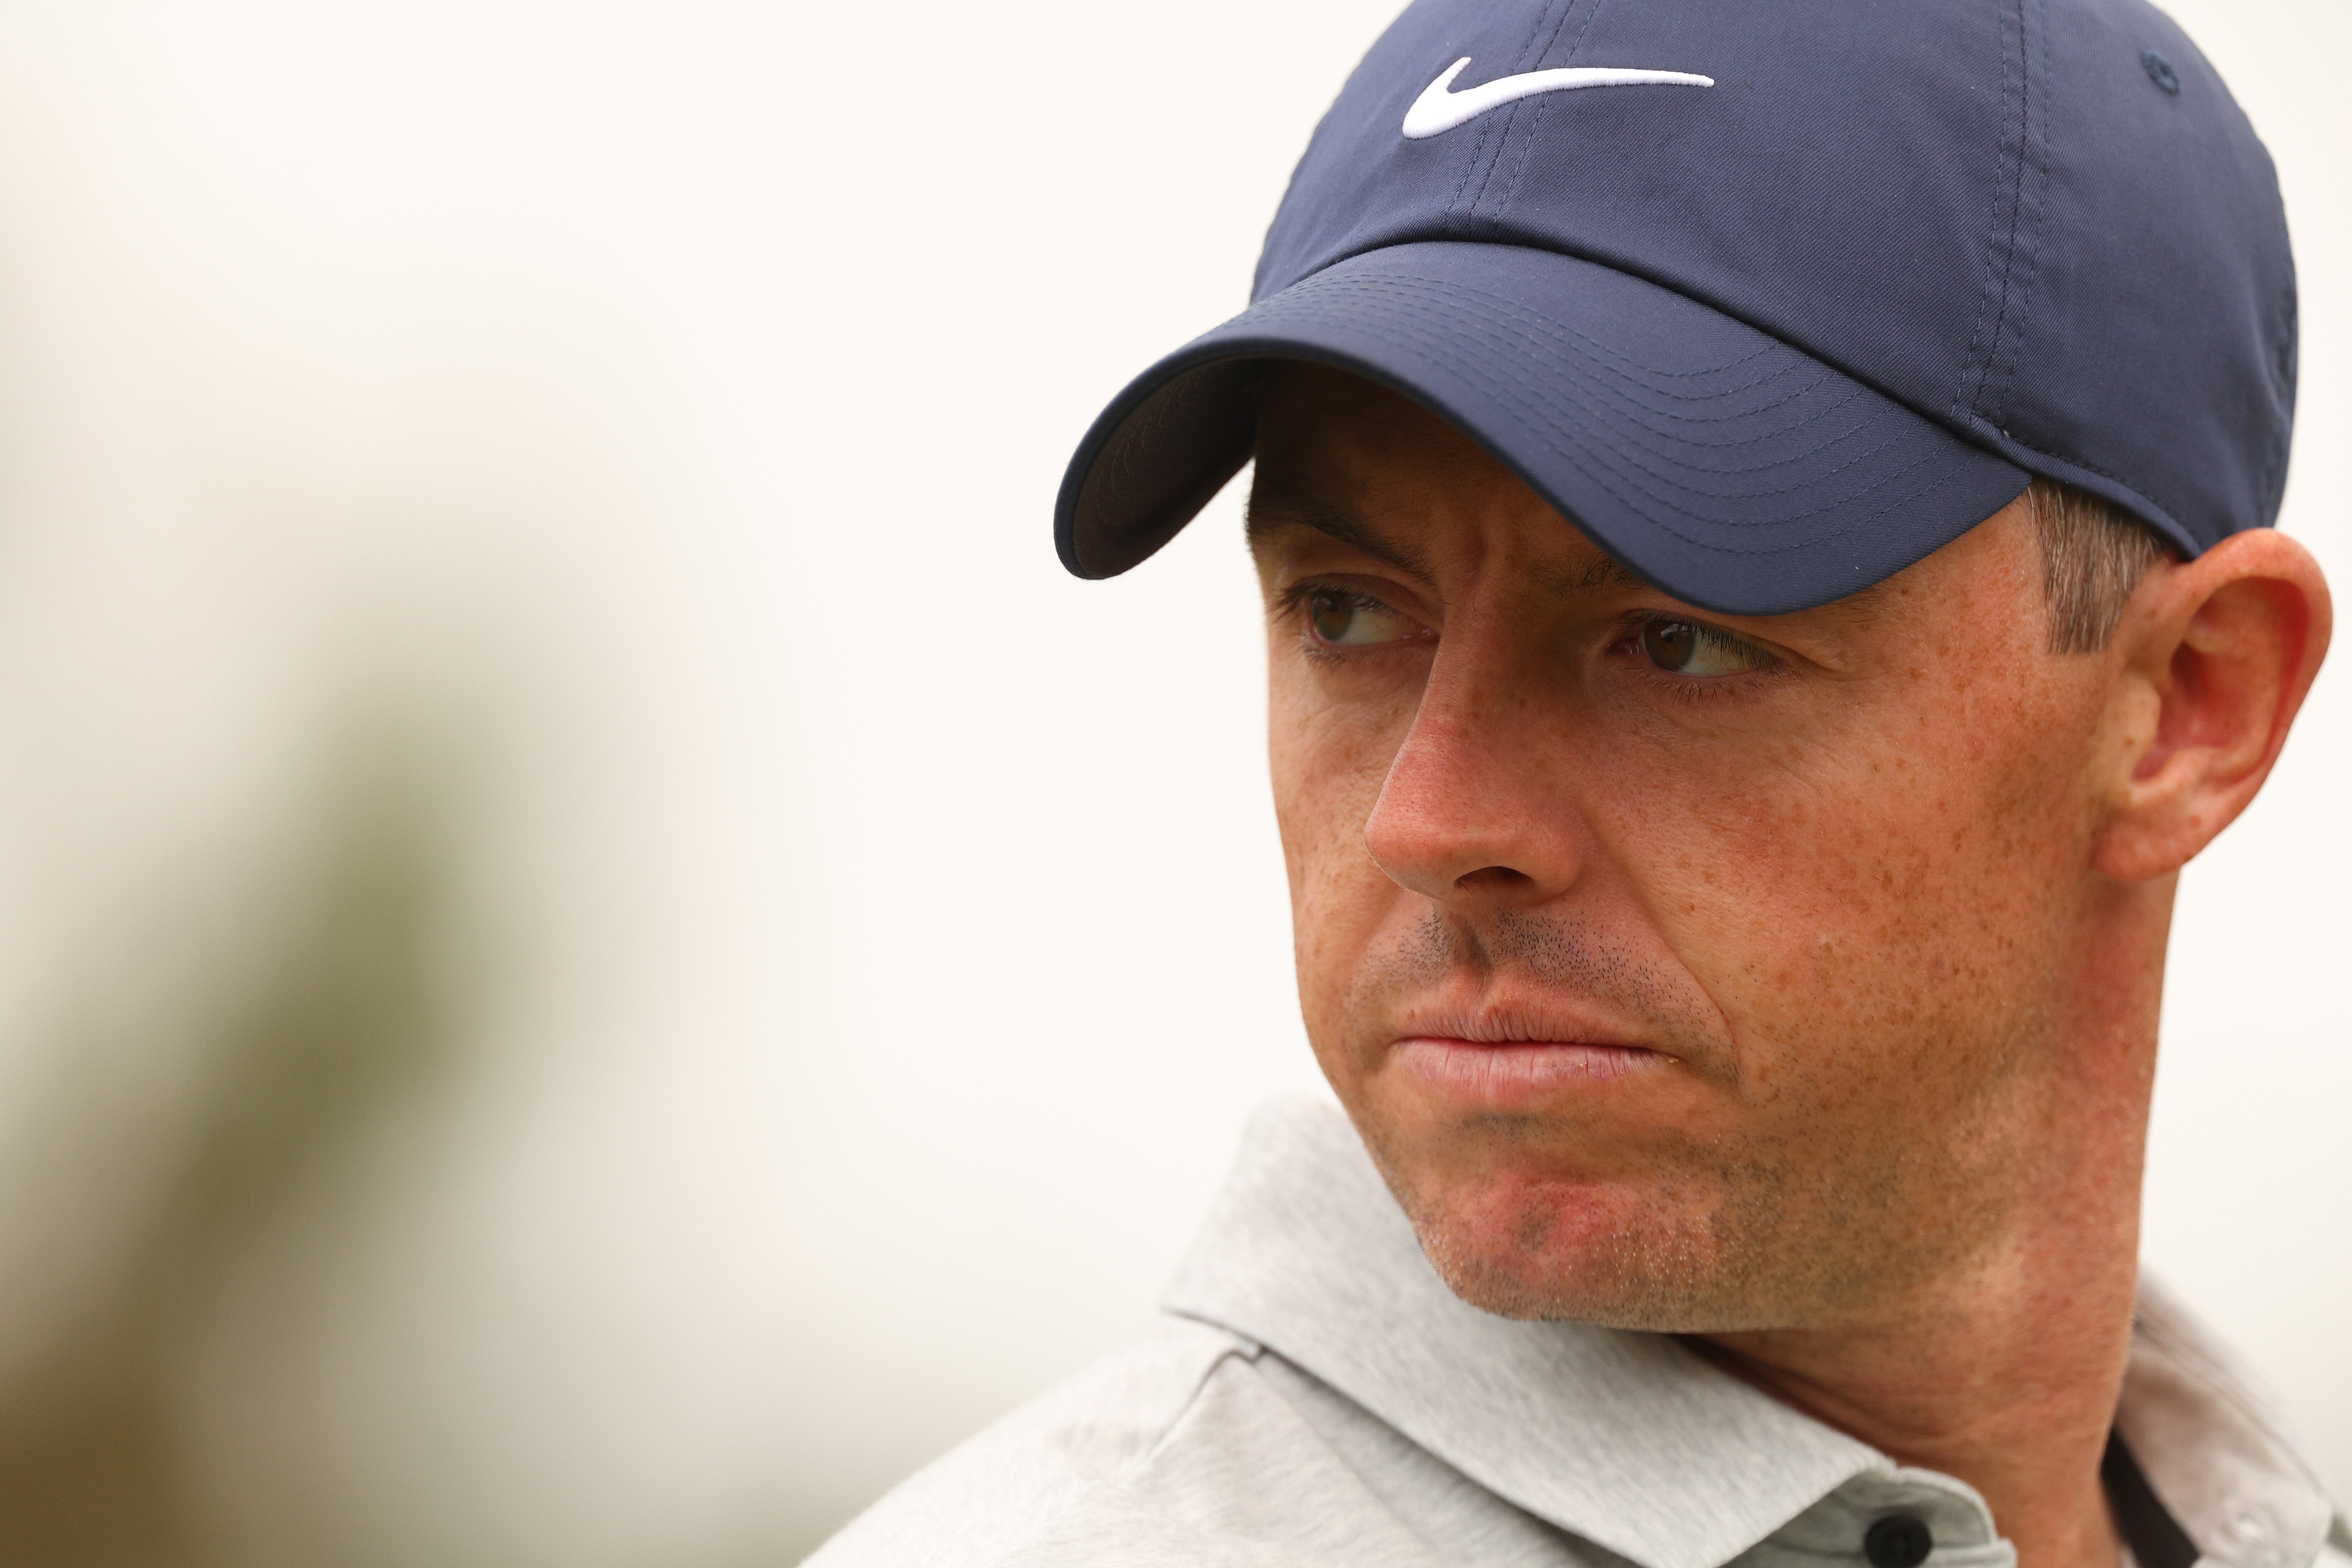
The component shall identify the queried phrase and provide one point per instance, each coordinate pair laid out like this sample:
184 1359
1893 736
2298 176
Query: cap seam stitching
1992 393
1543 107
1486 129
2008 252
1961 401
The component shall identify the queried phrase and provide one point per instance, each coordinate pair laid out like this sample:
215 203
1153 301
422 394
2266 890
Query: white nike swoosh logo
1440 109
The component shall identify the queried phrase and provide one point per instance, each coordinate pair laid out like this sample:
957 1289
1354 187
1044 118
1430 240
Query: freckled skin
1892 909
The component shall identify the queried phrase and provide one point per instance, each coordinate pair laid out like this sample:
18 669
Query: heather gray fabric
1316 1395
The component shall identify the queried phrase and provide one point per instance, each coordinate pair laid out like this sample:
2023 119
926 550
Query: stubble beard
1797 1226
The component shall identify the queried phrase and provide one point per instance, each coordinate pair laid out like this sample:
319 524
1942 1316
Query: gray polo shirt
1313 1394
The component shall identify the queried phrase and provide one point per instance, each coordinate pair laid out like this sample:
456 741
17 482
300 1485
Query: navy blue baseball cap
1771 298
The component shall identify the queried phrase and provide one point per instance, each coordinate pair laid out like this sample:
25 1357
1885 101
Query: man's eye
1353 620
1688 648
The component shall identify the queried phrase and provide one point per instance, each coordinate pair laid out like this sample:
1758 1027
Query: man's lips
1516 1072
1499 1048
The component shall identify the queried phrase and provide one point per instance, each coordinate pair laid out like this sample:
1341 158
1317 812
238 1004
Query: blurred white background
599 955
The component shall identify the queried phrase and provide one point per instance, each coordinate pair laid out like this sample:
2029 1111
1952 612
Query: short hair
2093 555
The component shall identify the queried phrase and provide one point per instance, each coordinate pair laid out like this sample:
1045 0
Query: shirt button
1897 1541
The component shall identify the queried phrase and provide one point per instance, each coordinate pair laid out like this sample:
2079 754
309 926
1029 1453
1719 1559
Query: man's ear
2216 654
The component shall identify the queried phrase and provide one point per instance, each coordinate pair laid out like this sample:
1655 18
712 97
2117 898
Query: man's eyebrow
1604 571
1272 510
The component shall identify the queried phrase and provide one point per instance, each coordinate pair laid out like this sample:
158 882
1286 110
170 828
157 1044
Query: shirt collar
1629 1439
2211 1448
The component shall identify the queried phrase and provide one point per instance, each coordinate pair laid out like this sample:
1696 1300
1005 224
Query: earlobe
2218 654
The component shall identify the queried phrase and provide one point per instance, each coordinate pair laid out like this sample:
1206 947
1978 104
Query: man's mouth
1508 1058
1519 1074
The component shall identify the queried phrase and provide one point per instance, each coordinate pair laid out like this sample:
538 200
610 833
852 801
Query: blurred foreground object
372 1120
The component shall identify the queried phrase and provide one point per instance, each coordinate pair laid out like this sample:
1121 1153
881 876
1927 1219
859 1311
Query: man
1763 514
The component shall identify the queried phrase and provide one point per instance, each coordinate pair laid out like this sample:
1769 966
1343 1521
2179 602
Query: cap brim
1717 462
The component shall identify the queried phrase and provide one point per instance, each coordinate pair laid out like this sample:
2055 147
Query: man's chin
1583 1252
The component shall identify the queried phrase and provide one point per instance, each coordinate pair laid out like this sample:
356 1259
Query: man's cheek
1779 919
1326 779
1334 881
1338 898
1344 908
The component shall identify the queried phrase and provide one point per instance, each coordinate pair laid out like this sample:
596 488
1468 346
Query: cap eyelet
2159 71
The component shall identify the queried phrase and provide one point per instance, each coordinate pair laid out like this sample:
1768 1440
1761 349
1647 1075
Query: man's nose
1478 803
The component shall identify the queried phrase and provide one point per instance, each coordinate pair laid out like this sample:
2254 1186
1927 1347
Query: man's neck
2006 1373
2018 1402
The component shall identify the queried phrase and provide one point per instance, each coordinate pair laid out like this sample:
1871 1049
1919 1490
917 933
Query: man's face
1682 971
